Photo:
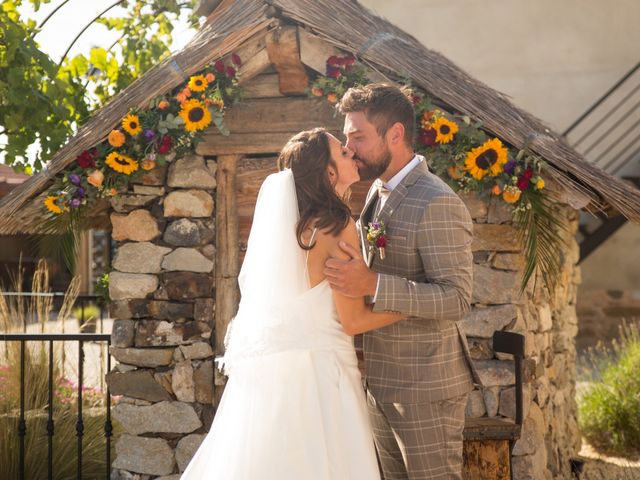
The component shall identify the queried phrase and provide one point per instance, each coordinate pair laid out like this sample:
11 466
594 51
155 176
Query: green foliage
43 103
609 407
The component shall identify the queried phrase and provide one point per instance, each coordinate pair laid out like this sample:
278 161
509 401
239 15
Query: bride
294 406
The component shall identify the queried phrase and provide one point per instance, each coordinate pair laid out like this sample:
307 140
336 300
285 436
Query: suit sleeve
443 238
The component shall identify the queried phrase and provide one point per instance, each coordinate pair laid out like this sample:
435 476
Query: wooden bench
488 442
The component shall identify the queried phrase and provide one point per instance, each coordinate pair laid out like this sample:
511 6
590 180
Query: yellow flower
116 138
121 163
540 183
489 158
445 129
511 194
96 178
131 124
52 206
198 83
196 115
218 102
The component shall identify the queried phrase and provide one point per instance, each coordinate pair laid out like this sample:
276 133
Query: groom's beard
372 169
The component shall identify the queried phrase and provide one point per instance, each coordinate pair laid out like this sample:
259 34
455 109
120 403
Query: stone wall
550 433
162 287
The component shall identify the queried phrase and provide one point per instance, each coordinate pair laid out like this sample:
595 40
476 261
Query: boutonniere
377 237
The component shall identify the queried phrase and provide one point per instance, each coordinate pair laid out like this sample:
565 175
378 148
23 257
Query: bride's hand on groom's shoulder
348 274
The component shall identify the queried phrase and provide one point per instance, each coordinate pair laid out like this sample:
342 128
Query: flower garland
468 159
145 139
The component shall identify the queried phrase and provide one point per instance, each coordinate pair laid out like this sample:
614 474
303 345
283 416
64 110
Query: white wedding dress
293 407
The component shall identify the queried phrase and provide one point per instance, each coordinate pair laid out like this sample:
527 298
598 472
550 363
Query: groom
418 370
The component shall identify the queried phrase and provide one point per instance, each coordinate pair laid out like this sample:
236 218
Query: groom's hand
351 277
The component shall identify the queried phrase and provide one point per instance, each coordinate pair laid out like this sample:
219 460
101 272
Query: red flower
348 60
334 61
87 159
381 241
219 66
165 144
415 99
428 137
235 59
334 73
231 71
522 183
528 173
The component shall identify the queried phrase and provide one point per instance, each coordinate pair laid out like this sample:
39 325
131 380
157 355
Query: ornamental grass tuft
609 405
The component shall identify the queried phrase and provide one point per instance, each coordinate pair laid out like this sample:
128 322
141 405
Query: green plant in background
101 288
609 406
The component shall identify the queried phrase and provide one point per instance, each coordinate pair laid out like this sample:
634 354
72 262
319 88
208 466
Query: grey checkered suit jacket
427 275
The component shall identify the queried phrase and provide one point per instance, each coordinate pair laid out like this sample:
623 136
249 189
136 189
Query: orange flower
112 192
496 190
96 178
116 138
186 92
317 92
163 104
181 97
148 164
210 77
332 97
455 172
511 194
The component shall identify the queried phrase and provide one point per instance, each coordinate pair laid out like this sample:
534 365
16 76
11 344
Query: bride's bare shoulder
349 234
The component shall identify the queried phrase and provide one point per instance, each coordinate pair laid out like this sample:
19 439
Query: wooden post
227 253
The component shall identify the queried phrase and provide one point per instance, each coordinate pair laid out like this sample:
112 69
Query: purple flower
74 179
149 134
510 166
80 192
74 203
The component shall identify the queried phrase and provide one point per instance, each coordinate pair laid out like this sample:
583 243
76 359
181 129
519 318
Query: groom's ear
396 133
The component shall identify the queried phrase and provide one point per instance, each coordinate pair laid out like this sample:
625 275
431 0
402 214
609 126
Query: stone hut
182 229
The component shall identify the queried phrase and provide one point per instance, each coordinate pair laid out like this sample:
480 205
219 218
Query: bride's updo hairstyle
307 154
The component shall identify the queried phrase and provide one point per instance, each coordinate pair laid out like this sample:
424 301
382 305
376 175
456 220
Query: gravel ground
601 467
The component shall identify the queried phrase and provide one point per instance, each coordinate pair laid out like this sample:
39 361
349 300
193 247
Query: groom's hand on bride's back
348 274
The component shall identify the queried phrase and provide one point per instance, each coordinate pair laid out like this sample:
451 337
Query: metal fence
22 432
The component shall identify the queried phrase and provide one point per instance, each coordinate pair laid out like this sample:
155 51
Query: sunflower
445 129
121 163
198 83
131 124
196 115
488 158
52 206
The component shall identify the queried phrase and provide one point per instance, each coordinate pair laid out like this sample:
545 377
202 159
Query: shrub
609 407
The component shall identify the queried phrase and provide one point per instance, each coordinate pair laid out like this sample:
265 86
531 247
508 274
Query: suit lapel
365 217
397 195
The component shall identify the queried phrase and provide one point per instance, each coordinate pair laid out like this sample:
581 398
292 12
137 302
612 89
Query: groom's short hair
384 105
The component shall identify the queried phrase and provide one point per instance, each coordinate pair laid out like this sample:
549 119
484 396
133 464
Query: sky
66 23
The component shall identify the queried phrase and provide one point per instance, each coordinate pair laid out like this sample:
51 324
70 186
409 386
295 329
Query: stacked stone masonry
162 287
550 435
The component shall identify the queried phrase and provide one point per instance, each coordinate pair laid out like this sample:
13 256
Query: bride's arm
355 316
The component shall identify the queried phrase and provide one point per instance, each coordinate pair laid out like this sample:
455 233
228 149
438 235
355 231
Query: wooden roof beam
284 52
